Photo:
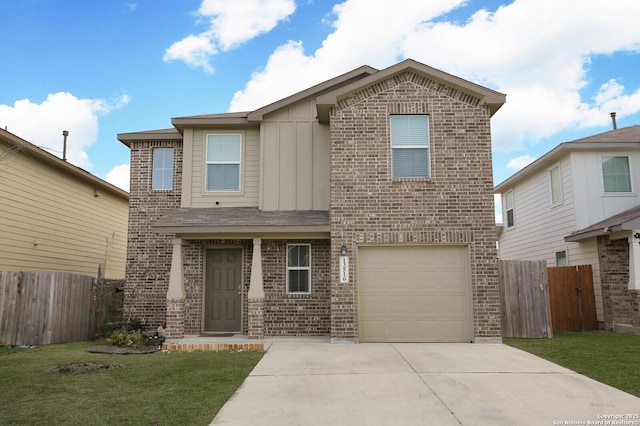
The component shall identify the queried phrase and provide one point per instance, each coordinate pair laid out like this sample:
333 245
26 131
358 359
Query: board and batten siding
200 198
295 159
540 227
53 220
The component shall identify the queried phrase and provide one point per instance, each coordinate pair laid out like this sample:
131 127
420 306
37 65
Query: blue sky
102 67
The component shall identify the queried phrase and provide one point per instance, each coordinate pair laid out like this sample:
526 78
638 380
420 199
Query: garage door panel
375 280
370 306
414 294
374 329
453 304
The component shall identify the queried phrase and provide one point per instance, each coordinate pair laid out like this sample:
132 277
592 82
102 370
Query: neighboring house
56 216
360 208
579 204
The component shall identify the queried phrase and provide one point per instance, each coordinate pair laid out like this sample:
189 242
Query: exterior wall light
343 250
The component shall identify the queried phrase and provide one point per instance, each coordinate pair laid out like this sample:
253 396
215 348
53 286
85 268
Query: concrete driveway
302 383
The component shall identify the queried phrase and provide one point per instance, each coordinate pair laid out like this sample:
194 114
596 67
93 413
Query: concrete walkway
409 384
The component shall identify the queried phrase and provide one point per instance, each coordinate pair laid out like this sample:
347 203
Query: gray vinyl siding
52 220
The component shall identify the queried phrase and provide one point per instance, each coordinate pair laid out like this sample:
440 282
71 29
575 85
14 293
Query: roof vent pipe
613 120
65 133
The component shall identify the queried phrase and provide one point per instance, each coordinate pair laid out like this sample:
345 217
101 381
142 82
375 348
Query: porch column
634 260
175 294
256 293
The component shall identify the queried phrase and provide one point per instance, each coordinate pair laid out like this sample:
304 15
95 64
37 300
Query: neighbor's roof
623 138
63 166
626 221
241 220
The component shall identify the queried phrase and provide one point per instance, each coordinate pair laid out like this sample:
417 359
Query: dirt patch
123 350
83 366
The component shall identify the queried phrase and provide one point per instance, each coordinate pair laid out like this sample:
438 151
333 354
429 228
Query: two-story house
580 204
55 216
360 208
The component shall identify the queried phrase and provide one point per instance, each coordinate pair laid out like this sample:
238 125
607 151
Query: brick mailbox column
256 293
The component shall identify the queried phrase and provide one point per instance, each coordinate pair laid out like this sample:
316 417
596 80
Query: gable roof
623 138
326 95
235 118
13 141
494 100
626 221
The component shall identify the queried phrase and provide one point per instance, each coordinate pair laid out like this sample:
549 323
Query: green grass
151 389
611 358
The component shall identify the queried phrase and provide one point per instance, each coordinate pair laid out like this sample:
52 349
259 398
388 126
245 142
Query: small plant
131 335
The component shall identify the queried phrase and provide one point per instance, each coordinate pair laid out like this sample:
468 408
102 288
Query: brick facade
295 314
149 253
455 205
621 305
368 206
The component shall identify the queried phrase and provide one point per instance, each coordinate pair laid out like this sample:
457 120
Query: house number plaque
344 269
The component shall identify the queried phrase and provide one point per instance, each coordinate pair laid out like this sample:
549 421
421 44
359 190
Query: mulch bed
83 366
123 350
100 365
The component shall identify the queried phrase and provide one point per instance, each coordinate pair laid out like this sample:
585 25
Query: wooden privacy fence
573 302
524 298
45 307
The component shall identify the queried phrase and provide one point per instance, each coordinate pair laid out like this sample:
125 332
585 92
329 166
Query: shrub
130 336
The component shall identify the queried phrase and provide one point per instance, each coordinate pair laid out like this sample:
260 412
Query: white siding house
575 185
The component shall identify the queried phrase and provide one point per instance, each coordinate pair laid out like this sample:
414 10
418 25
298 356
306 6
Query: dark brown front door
223 291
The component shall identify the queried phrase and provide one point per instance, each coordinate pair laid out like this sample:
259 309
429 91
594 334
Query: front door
223 290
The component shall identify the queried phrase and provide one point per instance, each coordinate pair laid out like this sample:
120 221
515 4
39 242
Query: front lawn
611 358
163 388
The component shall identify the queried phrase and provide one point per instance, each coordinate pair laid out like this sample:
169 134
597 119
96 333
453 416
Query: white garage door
414 294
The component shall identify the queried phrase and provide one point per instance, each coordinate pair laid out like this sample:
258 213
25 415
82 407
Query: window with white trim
162 178
561 258
410 146
224 156
509 207
299 268
555 179
616 174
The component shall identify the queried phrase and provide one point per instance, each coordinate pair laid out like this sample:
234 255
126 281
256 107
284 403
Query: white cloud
363 35
193 50
42 124
231 23
119 176
520 162
538 52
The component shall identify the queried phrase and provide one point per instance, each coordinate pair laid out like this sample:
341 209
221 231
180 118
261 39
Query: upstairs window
615 174
556 185
224 154
410 146
509 209
162 178
299 268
